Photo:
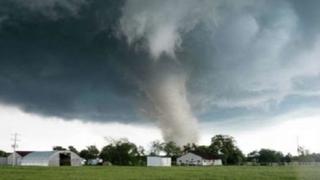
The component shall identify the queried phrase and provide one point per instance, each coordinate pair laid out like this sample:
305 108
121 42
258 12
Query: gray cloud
2 19
161 23
252 57
52 8
134 60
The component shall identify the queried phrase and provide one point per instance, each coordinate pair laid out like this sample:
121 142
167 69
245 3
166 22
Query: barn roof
159 156
39 155
206 155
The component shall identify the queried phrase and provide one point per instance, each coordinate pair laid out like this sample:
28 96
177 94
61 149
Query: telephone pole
14 146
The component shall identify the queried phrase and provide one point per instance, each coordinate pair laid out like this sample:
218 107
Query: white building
52 158
158 161
194 159
95 161
17 157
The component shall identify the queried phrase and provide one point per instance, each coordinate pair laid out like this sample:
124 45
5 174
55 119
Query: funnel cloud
159 26
170 107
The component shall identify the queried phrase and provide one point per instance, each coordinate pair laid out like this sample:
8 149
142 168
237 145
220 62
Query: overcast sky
75 71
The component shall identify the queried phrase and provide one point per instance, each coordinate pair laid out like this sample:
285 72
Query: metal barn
52 158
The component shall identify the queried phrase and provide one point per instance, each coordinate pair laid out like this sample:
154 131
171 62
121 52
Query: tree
189 147
73 149
85 154
141 150
287 158
58 148
267 156
171 149
91 152
3 153
224 146
202 150
253 156
314 157
235 157
156 148
122 152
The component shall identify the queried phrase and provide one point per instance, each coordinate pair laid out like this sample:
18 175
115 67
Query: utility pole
14 146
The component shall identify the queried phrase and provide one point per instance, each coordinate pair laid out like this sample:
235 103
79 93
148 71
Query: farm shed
52 158
195 159
158 161
17 157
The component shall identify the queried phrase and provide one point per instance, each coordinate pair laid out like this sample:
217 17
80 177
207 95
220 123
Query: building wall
217 162
76 160
35 162
54 160
158 161
207 162
190 159
3 161
193 159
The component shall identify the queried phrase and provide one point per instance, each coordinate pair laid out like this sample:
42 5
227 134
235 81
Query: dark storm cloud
72 58
73 67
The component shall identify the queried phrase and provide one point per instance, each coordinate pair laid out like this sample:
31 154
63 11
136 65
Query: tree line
124 152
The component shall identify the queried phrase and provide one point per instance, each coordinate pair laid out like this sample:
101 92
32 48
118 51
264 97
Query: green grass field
138 173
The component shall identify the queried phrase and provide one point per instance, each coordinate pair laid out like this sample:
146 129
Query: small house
197 159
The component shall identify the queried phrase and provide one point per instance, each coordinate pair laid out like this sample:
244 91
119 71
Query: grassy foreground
138 173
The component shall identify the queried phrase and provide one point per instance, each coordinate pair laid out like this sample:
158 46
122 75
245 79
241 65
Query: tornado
171 109
157 27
